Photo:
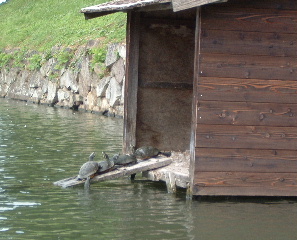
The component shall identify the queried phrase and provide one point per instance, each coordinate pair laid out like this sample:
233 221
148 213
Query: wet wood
245 160
245 191
170 182
230 183
146 165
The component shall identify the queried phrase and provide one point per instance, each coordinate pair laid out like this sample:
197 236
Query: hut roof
126 5
118 6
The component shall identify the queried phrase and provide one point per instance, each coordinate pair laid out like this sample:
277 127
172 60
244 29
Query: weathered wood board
179 5
142 166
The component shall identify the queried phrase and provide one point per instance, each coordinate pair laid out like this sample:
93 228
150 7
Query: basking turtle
88 169
147 152
124 159
105 166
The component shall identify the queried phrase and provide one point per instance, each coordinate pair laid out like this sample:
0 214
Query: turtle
124 159
106 165
147 152
88 170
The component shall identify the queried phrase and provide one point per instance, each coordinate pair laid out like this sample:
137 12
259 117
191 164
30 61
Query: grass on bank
41 24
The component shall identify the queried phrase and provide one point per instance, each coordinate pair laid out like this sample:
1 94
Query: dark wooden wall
246 138
165 79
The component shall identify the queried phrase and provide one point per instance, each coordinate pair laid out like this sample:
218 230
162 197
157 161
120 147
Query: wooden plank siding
246 134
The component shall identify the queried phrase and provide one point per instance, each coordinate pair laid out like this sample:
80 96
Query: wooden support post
170 182
131 82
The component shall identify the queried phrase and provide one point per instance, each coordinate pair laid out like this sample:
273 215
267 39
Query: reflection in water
40 145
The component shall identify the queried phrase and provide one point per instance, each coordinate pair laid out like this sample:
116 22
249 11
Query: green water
40 145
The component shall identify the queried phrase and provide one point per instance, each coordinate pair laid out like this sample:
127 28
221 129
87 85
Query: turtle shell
104 166
88 169
123 159
146 152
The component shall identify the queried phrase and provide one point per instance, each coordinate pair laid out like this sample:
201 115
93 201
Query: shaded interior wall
246 137
164 98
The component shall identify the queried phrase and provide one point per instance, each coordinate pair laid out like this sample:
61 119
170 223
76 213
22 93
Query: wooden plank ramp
141 166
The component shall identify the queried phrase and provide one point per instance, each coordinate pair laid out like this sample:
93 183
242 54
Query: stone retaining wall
76 85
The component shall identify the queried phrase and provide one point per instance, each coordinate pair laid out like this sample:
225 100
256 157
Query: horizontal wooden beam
241 183
246 43
248 66
248 137
247 90
243 113
245 160
249 19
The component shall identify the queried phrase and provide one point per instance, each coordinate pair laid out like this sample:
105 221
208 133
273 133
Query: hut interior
164 79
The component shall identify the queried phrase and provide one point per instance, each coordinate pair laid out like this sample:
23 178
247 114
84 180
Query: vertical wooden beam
194 103
131 81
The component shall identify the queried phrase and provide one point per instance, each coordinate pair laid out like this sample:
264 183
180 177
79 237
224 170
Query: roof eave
141 5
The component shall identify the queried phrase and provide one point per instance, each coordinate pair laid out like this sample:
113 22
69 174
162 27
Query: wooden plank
248 67
179 5
146 165
249 43
247 113
244 191
247 90
263 4
181 177
251 137
131 82
249 19
284 181
166 85
245 160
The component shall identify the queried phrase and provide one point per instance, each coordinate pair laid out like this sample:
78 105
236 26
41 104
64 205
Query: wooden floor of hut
175 174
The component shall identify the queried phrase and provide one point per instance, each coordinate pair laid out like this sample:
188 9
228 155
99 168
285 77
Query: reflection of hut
219 80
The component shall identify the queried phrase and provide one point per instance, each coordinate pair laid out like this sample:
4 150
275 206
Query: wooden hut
218 79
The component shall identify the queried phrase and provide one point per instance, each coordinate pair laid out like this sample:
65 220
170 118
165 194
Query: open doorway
165 79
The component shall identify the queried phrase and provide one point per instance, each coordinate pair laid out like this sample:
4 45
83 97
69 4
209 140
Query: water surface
40 145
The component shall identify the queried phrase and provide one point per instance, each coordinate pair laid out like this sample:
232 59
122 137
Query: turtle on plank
124 159
106 165
88 170
147 152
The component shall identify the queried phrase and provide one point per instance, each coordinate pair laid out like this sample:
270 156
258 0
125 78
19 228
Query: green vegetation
98 56
39 25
